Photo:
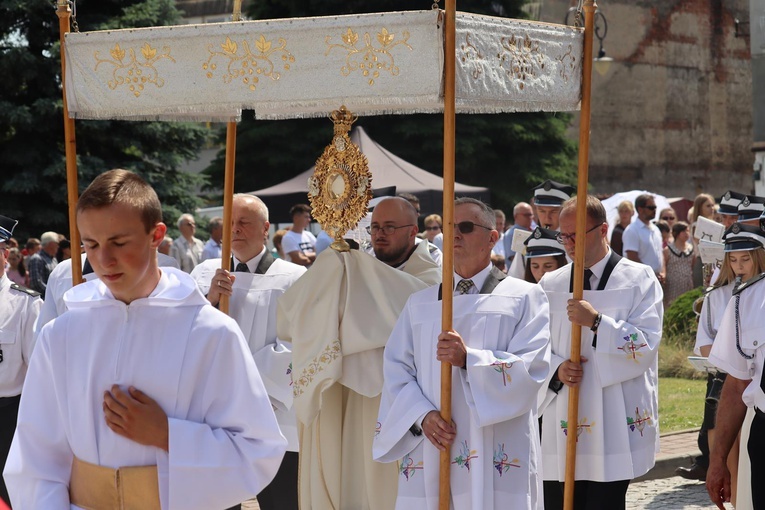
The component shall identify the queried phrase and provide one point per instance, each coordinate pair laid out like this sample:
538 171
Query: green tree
509 153
31 124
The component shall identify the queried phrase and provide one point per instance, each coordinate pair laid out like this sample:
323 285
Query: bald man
339 317
393 230
254 281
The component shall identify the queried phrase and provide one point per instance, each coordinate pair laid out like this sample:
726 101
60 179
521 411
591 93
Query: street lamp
602 62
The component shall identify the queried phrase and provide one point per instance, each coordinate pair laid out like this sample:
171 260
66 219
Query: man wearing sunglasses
499 350
642 239
620 316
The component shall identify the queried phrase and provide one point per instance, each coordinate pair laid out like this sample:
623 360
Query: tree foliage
509 153
31 124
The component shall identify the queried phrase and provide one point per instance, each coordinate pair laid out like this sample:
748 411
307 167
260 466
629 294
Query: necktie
587 276
464 286
242 268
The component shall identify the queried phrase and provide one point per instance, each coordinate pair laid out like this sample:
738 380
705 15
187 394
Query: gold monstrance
341 186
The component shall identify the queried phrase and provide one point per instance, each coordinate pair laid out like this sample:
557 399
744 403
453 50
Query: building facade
673 113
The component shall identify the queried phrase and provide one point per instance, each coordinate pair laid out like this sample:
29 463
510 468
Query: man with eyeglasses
621 320
338 317
499 351
394 233
642 239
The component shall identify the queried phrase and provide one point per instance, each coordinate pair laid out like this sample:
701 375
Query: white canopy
300 67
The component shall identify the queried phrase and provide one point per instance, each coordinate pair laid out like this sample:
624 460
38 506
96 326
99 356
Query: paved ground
673 493
660 489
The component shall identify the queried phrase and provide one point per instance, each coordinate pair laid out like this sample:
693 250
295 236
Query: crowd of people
320 387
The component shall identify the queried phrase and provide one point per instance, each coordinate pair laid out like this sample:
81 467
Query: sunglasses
650 207
466 227
668 218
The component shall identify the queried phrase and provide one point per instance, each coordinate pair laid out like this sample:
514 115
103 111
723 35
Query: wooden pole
64 14
447 281
581 228
228 185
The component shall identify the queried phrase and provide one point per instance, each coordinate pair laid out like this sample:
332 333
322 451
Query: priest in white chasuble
621 319
338 318
254 282
499 349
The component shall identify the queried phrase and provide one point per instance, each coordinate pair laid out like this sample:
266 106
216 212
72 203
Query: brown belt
100 488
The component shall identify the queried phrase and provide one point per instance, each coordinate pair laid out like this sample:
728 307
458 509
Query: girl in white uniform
744 259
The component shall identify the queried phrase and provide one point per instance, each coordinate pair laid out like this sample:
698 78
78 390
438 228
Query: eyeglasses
466 227
434 227
562 238
388 230
649 207
668 218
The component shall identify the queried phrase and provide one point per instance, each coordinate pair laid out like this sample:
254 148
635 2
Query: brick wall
673 114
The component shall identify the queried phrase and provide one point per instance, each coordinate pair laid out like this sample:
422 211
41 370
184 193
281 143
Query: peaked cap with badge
552 194
740 237
543 242
751 208
730 201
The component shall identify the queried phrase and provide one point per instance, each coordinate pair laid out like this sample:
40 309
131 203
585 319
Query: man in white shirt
621 320
214 245
642 239
298 244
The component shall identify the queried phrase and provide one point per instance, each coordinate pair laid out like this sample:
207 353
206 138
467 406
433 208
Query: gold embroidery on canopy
473 55
569 66
319 363
371 61
520 58
248 65
132 72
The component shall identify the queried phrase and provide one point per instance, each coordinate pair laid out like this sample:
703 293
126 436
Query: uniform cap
740 237
729 202
751 208
6 228
543 242
552 194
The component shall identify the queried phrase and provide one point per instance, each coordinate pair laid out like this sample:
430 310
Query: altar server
254 283
621 320
499 350
141 395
